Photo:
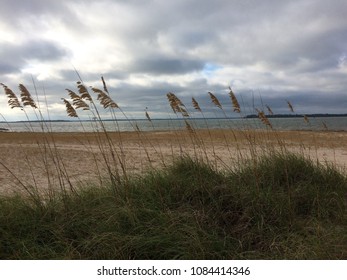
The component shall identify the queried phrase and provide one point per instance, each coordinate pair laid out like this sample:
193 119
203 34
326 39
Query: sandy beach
45 160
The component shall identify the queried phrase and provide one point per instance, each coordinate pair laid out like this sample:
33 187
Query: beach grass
188 211
203 194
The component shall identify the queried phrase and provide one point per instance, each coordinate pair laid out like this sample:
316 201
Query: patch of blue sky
210 68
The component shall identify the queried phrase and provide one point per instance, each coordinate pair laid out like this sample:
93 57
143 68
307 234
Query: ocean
318 123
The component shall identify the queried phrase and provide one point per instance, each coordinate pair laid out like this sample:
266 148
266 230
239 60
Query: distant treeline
297 115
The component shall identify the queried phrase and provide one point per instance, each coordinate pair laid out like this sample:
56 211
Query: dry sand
50 160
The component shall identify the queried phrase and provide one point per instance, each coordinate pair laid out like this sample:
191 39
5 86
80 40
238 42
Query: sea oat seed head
84 91
71 112
104 84
263 118
13 101
72 94
196 105
148 117
177 105
234 101
290 106
269 109
215 100
77 101
27 100
104 98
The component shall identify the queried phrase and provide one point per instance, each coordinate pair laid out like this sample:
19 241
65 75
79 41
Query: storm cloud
271 50
166 66
33 50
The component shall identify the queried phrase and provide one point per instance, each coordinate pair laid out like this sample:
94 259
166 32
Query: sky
267 51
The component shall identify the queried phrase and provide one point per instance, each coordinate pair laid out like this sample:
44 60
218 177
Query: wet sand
50 160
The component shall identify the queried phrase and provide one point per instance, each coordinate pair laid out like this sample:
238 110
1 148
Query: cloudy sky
268 51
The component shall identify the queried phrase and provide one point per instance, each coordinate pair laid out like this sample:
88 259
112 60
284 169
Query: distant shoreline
298 116
251 116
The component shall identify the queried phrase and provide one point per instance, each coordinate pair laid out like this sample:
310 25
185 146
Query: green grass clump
281 206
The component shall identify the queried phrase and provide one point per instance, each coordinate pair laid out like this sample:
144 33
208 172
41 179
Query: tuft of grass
188 210
316 190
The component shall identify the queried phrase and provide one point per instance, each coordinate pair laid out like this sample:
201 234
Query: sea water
317 123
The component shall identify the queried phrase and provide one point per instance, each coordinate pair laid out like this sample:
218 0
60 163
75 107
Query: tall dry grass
241 144
222 193
47 150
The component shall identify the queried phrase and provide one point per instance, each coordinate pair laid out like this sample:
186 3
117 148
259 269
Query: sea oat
13 101
77 100
147 116
83 91
104 84
215 100
105 100
290 107
27 100
172 102
269 109
196 105
71 112
72 94
234 101
263 118
177 105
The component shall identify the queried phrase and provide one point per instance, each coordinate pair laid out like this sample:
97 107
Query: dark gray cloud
40 50
6 68
160 66
14 57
